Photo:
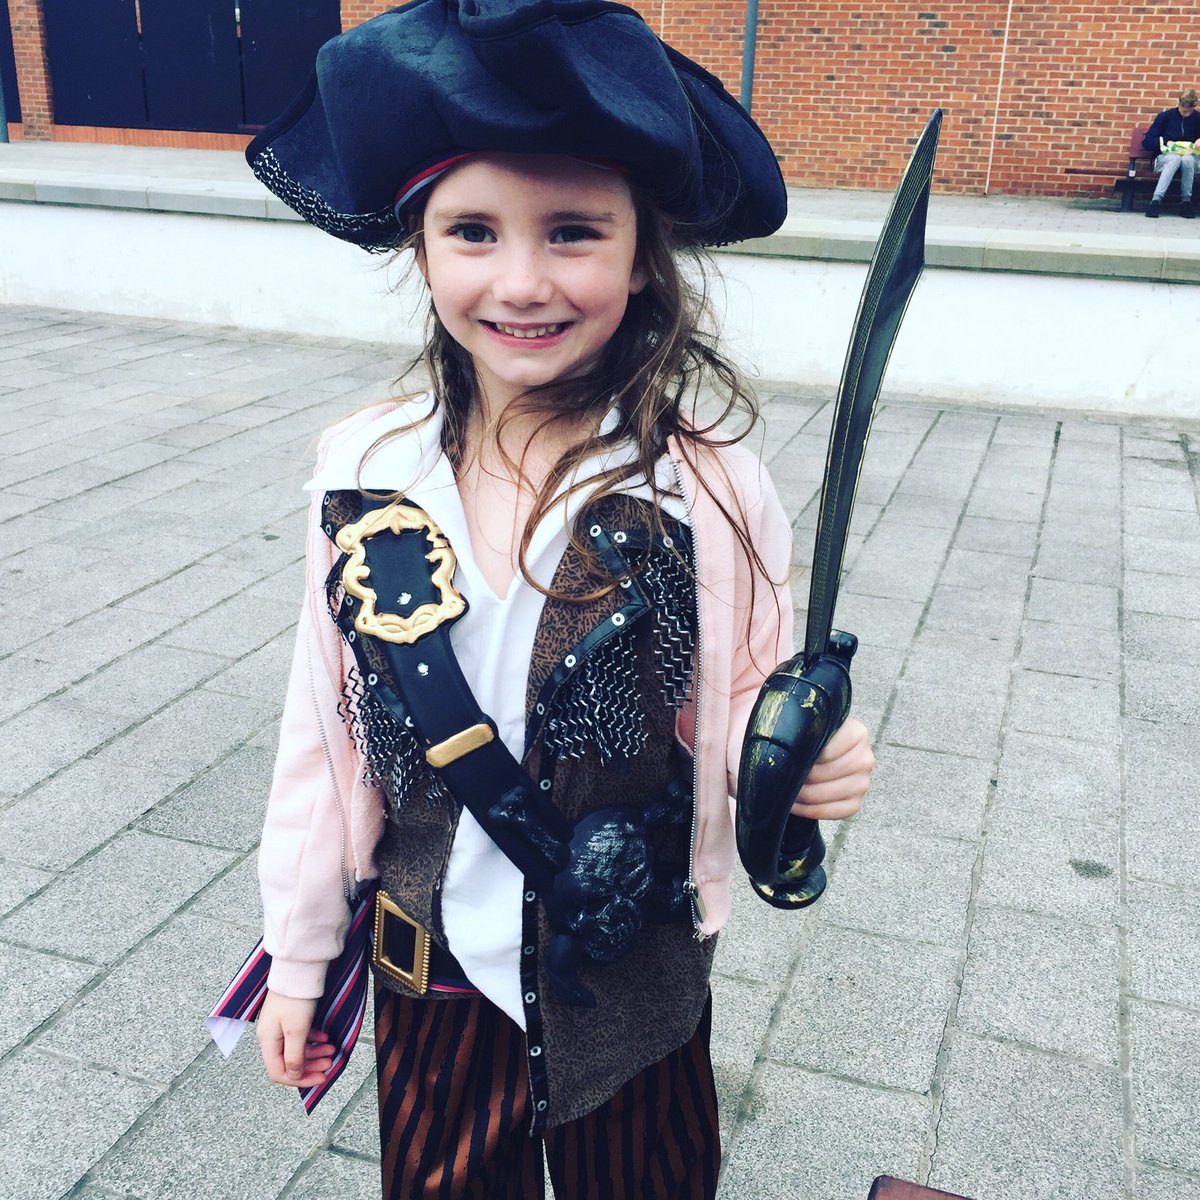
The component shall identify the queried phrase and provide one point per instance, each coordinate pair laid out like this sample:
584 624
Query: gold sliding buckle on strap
454 747
397 518
401 948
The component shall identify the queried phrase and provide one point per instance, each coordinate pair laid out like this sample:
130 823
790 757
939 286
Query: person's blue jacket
1172 126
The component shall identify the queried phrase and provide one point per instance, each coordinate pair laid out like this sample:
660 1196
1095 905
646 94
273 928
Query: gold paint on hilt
771 704
397 518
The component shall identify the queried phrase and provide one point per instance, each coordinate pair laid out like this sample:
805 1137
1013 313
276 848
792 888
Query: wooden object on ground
888 1188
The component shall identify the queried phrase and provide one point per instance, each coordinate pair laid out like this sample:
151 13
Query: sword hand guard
798 710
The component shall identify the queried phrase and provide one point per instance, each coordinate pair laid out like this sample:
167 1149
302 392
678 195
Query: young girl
541 601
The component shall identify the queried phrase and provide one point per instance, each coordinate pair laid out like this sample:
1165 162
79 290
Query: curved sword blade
895 267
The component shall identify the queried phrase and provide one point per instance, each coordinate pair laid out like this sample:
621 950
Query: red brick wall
842 88
33 79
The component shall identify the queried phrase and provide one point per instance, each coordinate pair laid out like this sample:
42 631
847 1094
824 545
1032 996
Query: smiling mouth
529 331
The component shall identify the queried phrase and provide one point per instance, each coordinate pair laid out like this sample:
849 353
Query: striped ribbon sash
340 1010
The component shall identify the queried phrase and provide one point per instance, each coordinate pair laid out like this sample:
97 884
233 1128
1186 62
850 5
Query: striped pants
454 1115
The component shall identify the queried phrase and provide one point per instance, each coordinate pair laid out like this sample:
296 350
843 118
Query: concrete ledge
218 184
973 336
964 248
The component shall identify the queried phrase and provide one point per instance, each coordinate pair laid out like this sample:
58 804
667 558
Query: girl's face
530 260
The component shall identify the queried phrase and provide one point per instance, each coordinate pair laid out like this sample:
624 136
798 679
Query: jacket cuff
297 979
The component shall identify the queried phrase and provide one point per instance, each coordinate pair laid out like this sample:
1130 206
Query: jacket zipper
337 794
691 887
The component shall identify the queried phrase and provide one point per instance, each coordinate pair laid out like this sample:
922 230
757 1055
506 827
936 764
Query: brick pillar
355 12
33 76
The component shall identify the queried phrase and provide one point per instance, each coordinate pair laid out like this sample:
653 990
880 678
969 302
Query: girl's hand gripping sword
806 698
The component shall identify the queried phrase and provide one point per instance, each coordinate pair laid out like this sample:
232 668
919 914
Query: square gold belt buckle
401 949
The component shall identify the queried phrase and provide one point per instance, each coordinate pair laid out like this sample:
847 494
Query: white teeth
540 331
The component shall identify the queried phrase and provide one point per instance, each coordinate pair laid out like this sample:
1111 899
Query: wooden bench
888 1188
1139 174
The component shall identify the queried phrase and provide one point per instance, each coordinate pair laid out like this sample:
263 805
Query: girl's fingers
294 1054
839 779
850 733
847 753
837 810
842 787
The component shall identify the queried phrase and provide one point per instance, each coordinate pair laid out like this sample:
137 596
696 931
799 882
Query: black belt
403 950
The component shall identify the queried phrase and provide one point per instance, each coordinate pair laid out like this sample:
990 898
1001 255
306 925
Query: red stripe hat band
430 175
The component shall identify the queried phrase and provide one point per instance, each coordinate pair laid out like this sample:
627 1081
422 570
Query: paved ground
998 994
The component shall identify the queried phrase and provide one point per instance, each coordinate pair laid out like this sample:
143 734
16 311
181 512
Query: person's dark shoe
1154 209
1187 209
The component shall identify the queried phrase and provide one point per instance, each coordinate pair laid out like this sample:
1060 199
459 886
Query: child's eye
474 235
570 234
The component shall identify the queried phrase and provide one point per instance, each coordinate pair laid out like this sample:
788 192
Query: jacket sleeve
766 600
1150 141
302 864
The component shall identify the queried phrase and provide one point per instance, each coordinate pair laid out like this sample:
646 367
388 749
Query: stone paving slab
997 995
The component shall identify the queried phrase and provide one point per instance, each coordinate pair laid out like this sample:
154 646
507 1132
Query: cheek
610 288
448 296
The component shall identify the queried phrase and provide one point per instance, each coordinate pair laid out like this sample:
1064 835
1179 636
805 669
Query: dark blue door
95 59
193 77
208 65
280 40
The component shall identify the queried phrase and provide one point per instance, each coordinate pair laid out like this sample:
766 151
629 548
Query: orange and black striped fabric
454 1115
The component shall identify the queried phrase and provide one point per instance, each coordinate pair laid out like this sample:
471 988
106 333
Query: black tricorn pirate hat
398 97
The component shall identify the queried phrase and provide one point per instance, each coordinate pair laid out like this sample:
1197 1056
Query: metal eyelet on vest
544 785
541 709
668 541
531 997
618 619
350 636
595 531
372 679
329 530
534 1051
570 660
541 1106
626 583
530 897
529 949
620 538
422 669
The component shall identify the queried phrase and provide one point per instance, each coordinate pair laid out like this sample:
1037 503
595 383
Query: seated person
1179 124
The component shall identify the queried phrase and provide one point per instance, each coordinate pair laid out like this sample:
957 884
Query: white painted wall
970 335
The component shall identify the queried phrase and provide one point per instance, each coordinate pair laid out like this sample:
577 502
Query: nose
523 277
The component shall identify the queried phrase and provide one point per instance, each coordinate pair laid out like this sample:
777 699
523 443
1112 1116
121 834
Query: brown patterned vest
601 706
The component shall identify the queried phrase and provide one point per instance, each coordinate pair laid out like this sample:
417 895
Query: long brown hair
653 372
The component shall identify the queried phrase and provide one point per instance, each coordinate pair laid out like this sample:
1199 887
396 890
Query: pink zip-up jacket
324 822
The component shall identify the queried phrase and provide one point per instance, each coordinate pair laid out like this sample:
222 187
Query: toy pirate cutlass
807 698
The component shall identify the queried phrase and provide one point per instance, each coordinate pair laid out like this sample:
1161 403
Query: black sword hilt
800 707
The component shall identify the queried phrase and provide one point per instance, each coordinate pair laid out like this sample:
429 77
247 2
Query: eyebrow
446 214
589 218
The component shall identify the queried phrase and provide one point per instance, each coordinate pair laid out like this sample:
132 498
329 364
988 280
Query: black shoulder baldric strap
399 592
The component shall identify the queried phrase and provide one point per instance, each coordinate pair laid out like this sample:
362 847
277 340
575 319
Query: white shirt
493 642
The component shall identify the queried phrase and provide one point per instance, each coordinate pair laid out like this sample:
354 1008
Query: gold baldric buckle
399 517
401 949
